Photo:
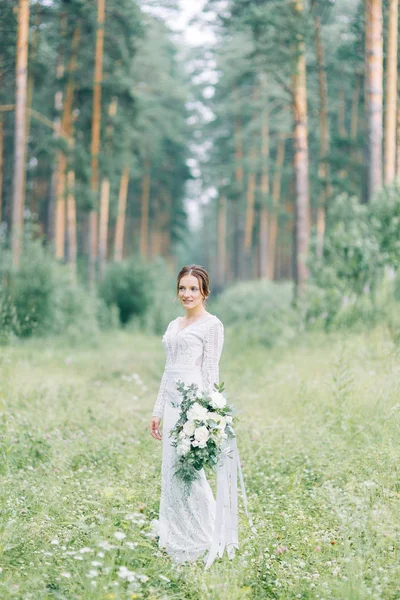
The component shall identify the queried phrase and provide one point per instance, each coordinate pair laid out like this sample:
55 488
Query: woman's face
189 292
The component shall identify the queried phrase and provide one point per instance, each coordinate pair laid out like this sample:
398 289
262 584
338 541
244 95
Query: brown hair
202 277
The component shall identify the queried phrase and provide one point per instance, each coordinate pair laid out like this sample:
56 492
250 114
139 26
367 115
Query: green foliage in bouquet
199 436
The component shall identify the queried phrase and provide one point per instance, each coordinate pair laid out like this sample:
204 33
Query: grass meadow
80 475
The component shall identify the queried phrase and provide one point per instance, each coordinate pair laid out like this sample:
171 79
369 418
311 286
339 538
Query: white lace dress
186 524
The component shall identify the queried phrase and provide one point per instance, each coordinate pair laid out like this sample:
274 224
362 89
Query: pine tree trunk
66 132
263 251
276 194
120 226
72 244
105 198
33 53
301 162
342 113
103 225
323 168
264 217
1 165
354 108
19 139
95 145
239 177
145 204
221 240
391 95
250 197
398 132
373 49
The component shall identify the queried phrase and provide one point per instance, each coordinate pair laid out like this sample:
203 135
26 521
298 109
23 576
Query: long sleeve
158 409
213 343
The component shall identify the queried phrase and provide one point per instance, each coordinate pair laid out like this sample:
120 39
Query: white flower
217 400
183 448
197 413
92 573
119 535
201 435
125 573
228 419
218 419
189 428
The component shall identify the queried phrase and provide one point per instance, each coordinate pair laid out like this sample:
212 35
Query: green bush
40 298
258 312
163 306
127 285
354 282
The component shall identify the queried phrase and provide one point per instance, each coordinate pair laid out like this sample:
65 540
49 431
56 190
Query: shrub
127 285
258 312
162 306
40 298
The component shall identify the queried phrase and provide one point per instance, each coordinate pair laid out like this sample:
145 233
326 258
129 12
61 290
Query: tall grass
80 475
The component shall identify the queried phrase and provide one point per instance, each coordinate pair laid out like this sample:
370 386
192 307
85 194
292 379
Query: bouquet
200 434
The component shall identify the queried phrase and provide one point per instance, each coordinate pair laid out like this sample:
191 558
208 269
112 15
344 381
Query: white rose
201 435
217 400
183 448
218 419
189 428
197 413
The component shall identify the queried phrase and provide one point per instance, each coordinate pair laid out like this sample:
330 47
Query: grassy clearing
80 475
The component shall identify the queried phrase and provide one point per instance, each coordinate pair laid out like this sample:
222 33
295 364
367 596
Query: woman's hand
155 428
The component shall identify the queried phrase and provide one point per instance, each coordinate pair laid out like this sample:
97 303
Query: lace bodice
197 346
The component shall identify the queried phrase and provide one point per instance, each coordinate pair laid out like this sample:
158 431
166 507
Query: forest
269 153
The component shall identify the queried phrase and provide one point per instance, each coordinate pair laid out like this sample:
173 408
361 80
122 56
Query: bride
193 344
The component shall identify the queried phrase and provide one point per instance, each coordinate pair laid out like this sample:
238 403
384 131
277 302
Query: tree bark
398 132
20 124
66 133
221 241
1 165
71 222
264 217
239 177
120 226
105 197
391 94
145 204
300 144
354 108
95 145
276 194
342 113
373 47
103 225
323 167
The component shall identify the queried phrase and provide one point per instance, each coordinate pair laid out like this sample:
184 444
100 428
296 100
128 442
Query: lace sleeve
213 342
158 409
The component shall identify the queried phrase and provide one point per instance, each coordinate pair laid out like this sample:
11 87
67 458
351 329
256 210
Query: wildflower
164 578
125 573
92 573
119 535
66 575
